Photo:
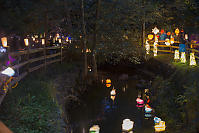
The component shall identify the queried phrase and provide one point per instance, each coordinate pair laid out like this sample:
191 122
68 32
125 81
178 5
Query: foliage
177 99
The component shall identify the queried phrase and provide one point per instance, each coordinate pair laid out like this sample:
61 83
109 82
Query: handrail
56 57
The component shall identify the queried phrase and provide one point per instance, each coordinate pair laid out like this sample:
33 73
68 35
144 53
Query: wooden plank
163 46
53 61
168 51
35 50
37 59
174 46
53 55
20 65
36 67
54 47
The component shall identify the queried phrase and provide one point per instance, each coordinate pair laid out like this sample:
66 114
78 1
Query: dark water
100 109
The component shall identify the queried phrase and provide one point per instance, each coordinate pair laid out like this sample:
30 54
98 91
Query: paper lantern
162 31
155 49
186 36
156 120
8 71
26 42
127 125
177 31
113 92
168 33
177 55
140 102
192 59
113 98
42 41
67 39
33 38
4 41
108 83
59 40
155 30
89 68
160 127
172 39
2 50
148 109
167 42
94 129
183 57
150 36
147 46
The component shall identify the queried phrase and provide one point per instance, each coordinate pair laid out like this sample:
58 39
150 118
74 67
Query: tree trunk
93 53
85 73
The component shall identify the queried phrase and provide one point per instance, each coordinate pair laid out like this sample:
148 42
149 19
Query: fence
30 60
171 48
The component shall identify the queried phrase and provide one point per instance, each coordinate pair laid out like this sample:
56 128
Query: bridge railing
30 60
171 48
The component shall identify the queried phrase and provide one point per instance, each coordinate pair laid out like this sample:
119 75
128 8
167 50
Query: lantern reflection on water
183 57
108 83
94 129
192 59
127 125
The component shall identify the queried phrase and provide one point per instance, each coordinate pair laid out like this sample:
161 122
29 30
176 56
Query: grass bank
30 107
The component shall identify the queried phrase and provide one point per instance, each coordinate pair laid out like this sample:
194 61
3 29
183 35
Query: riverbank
34 105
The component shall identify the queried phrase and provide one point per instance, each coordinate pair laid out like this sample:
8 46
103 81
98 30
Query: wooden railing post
45 54
61 52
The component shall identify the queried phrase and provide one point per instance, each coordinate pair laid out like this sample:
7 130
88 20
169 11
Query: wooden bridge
31 60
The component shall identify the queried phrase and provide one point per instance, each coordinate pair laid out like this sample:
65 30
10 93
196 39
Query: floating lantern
4 41
186 36
59 40
94 129
150 36
155 49
42 41
108 83
156 120
8 71
172 40
183 57
2 50
127 125
26 42
167 42
192 59
140 102
155 30
177 31
113 92
147 47
160 127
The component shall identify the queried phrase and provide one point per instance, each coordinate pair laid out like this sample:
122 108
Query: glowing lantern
156 120
172 40
127 125
177 55
183 57
160 127
33 38
155 49
177 31
113 98
140 102
155 30
42 41
186 36
162 31
150 36
59 40
108 83
167 42
4 41
2 50
192 60
94 129
67 39
89 68
113 92
26 42
147 47
53 40
8 71
168 33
